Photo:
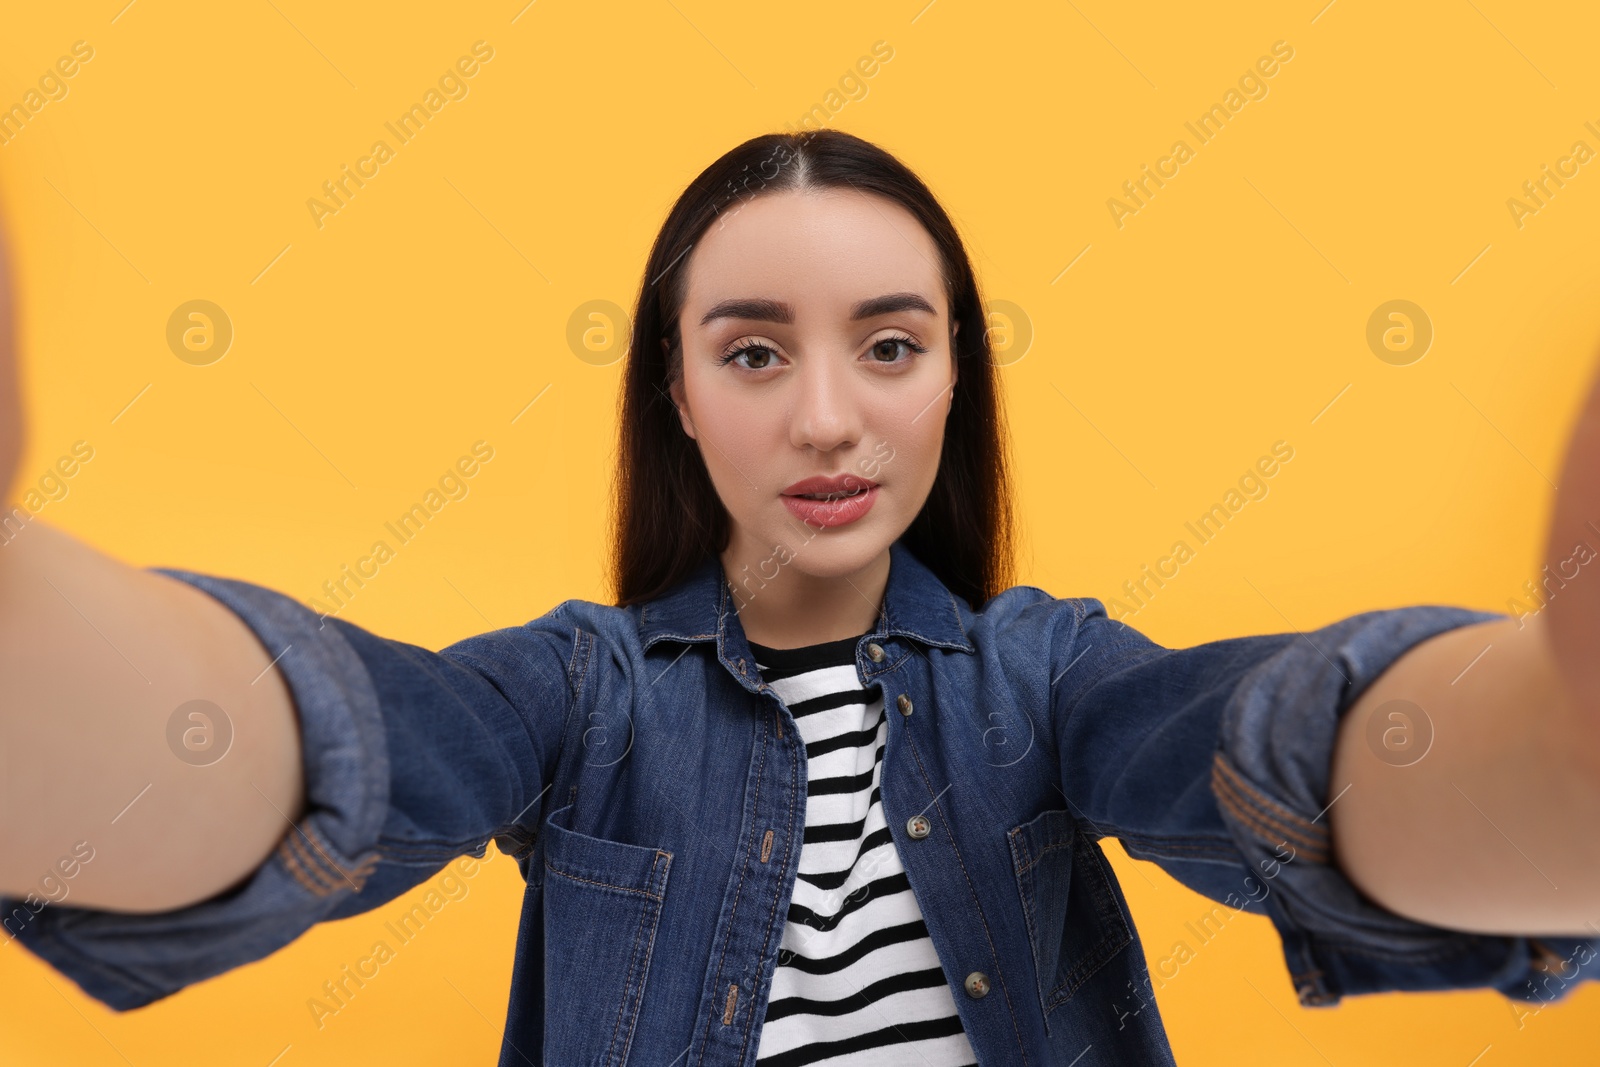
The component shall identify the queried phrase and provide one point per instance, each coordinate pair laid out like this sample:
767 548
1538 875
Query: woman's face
816 343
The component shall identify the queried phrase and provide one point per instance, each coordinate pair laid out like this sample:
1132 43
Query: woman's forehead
821 253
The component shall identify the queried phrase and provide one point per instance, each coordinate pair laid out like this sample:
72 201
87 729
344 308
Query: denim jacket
651 789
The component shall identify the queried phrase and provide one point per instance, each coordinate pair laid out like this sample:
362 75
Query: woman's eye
886 350
759 357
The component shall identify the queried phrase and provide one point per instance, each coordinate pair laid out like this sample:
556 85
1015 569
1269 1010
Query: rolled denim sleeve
411 758
1214 762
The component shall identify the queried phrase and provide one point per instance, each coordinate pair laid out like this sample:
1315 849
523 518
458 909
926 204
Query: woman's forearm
96 660
1465 787
11 427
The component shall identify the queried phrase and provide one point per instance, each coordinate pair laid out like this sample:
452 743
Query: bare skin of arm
1494 829
95 656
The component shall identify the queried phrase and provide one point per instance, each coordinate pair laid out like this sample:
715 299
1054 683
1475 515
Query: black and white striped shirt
858 982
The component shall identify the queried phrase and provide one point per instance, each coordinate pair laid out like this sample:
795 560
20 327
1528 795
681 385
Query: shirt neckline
823 654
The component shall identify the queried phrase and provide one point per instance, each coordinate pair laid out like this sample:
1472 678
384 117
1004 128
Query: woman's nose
826 411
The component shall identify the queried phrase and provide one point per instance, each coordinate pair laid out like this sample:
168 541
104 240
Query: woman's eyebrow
761 310
890 303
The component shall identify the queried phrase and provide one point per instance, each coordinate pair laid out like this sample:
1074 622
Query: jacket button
1310 997
918 826
875 652
905 704
977 985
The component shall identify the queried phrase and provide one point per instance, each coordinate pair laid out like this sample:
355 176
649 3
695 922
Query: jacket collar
915 605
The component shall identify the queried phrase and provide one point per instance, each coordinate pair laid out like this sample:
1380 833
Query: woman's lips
836 512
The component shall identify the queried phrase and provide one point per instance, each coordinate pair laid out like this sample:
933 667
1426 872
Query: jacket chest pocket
1074 922
602 905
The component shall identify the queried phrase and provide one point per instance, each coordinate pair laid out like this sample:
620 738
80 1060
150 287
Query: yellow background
1225 315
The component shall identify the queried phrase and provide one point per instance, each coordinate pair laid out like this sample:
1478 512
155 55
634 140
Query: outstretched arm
95 657
10 406
390 760
1465 785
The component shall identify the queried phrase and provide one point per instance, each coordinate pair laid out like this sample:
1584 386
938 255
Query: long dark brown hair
668 515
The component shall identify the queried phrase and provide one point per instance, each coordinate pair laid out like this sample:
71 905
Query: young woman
819 787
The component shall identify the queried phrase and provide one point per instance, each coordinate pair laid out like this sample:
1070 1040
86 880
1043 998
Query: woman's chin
837 553
774 544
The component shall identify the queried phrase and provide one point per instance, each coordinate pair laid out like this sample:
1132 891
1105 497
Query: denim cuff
1270 776
126 960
